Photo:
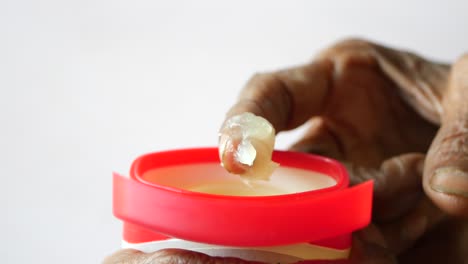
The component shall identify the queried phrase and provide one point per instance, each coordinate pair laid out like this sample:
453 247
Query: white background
86 86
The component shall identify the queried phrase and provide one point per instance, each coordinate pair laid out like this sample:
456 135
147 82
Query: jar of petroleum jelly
185 199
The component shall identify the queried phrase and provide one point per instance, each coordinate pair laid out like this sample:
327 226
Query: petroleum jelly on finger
251 140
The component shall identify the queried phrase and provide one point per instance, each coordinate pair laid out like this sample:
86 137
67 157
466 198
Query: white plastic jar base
278 254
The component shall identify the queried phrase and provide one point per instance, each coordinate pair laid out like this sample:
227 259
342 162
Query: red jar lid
241 220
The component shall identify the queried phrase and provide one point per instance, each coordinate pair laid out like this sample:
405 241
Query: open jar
185 199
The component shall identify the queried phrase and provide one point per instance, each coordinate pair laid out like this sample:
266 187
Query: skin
391 116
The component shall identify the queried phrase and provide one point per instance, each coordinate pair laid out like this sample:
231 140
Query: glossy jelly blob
246 144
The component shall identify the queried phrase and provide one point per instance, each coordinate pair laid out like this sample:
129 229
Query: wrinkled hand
370 106
374 108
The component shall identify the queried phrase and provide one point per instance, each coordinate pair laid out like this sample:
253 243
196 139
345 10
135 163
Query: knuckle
258 76
261 85
452 143
261 78
461 65
463 59
458 89
353 43
350 46
349 52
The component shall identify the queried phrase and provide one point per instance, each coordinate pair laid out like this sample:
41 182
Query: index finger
286 98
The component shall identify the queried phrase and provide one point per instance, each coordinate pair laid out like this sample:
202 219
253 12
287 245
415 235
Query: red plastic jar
160 209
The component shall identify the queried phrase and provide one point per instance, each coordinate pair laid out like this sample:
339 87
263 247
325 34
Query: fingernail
450 180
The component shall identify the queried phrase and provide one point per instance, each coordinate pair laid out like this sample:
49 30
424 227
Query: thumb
446 170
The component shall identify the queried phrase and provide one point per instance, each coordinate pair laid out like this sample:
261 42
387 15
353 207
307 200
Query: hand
369 106
367 103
